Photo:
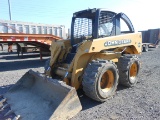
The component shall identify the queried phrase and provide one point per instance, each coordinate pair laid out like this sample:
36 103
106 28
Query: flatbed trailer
24 42
150 39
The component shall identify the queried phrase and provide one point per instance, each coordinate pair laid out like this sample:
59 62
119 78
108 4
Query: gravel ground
141 102
12 67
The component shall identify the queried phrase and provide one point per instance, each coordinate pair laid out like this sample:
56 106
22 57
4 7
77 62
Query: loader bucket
35 97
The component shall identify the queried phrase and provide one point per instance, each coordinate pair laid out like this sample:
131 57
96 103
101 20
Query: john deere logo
117 42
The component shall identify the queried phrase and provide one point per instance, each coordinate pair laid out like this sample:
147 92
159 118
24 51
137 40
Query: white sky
144 14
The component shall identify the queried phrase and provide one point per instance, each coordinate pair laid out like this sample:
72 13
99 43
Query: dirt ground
141 102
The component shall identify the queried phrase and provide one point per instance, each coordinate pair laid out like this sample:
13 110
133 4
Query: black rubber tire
145 48
124 66
92 78
142 48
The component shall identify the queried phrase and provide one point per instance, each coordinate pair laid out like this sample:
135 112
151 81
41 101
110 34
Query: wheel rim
133 70
107 81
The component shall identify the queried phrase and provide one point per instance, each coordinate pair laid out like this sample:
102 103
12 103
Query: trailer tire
100 80
128 67
145 48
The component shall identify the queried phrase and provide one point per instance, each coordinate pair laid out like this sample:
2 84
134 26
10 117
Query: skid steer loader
98 56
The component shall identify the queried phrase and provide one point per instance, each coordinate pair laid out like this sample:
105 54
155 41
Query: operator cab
96 23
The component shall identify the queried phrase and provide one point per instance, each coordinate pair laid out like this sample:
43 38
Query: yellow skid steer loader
97 57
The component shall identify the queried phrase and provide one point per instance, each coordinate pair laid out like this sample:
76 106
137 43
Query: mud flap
35 97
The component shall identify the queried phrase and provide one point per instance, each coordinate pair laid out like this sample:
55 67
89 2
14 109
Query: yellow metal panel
99 44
